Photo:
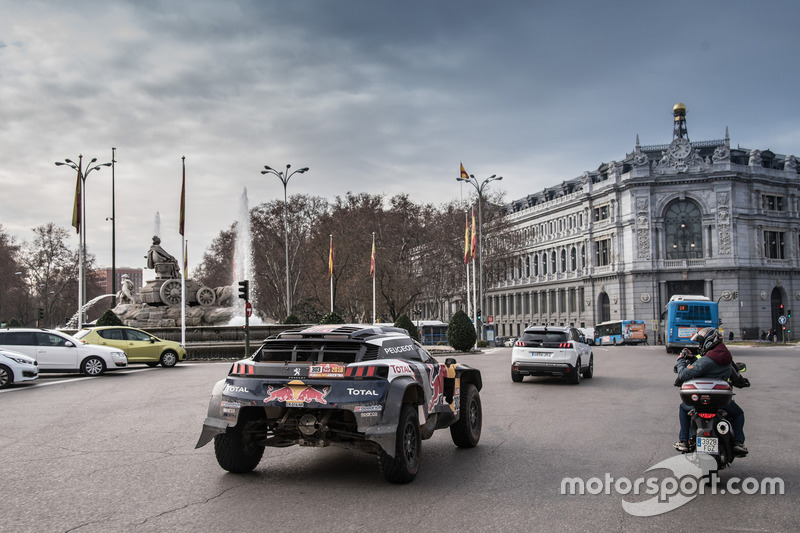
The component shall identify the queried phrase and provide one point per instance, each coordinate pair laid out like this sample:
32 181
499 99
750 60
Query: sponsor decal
400 368
235 388
398 349
326 371
366 408
229 409
361 392
436 375
296 394
368 414
296 371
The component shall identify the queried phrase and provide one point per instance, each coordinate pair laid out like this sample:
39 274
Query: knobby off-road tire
403 467
467 431
236 452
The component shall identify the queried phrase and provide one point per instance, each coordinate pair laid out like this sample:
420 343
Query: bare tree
14 296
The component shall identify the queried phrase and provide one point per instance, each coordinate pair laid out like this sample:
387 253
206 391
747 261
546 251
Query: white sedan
16 368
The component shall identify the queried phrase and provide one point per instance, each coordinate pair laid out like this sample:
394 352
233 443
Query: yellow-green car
139 346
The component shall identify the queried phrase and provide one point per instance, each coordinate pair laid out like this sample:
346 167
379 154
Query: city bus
686 315
620 332
431 332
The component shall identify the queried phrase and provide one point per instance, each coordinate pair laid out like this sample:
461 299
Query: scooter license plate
708 445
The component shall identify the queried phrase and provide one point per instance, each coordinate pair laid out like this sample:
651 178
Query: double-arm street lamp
82 175
285 176
479 187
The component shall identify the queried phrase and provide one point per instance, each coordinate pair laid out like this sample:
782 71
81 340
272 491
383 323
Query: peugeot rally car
367 387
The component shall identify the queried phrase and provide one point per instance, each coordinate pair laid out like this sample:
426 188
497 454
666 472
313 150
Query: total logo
361 392
235 388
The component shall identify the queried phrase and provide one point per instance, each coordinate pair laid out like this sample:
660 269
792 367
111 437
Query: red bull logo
296 394
436 373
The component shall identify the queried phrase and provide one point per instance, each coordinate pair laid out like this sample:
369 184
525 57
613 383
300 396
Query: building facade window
683 230
600 213
774 245
602 252
772 203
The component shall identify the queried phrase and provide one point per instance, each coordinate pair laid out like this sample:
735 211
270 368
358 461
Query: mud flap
211 427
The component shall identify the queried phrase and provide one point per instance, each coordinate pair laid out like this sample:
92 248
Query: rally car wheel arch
467 431
403 467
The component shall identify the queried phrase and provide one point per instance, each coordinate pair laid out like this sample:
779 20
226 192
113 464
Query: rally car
371 388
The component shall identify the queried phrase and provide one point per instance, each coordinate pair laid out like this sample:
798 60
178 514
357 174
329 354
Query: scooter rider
714 362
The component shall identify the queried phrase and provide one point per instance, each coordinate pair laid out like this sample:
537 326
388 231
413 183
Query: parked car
140 346
509 342
16 368
370 388
588 334
551 351
58 352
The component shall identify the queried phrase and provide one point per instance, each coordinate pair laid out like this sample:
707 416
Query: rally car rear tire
403 467
467 431
235 451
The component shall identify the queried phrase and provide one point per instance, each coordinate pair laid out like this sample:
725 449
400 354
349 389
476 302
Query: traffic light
479 314
39 313
789 313
244 290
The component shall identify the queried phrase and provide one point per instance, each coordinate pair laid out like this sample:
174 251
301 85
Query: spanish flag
330 260
474 234
76 208
464 175
372 259
466 239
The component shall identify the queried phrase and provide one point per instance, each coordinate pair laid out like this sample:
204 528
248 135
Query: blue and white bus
432 332
620 332
686 315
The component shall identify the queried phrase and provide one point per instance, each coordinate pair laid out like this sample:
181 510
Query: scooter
709 422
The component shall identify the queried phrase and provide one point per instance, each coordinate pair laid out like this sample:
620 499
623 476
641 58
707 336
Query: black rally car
367 387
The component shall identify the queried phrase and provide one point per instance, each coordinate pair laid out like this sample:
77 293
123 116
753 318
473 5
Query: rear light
722 386
241 369
519 343
706 415
688 386
364 371
565 345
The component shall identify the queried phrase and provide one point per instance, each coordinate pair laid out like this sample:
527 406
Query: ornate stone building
681 218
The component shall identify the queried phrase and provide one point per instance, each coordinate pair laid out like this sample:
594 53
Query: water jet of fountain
157 225
242 260
72 323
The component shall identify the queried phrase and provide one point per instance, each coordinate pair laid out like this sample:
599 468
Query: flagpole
466 259
372 271
183 248
474 285
330 270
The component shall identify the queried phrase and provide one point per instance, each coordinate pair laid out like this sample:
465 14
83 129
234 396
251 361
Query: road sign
782 319
248 308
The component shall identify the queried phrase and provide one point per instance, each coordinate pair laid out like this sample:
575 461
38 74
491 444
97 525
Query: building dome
679 109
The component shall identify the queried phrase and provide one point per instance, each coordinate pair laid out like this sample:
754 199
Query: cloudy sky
374 96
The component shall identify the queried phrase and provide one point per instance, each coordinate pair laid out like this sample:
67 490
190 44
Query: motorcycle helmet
707 338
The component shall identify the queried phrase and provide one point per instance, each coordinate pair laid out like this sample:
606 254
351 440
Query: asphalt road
116 453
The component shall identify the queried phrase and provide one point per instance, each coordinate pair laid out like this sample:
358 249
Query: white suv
16 367
552 351
58 352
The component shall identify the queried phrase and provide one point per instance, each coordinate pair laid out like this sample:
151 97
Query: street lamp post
479 187
82 175
285 176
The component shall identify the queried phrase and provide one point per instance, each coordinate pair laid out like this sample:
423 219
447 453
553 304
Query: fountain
243 260
72 323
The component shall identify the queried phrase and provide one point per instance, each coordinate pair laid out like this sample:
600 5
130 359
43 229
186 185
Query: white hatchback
58 352
552 351
16 368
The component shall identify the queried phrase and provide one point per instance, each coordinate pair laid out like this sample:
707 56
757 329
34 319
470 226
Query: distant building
686 217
